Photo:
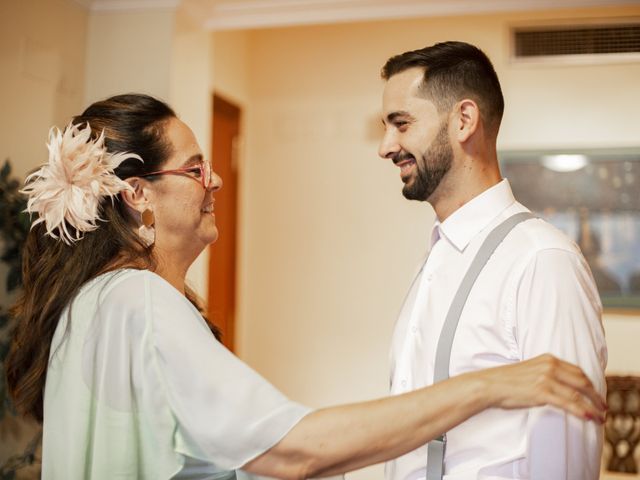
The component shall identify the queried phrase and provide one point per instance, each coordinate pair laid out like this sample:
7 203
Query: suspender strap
436 448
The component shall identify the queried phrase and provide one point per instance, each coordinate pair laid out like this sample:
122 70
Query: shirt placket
414 348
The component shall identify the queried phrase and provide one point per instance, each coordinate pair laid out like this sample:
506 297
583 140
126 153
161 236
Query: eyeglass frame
206 173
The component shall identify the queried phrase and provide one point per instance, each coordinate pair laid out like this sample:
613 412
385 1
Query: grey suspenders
436 448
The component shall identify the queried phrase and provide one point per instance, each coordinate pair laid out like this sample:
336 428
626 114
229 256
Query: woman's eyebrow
193 160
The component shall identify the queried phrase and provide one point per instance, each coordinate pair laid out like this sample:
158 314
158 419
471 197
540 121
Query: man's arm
559 311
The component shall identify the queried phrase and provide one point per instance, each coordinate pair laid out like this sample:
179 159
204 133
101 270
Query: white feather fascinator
68 189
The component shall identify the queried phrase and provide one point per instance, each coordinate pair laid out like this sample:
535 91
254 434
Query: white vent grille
577 40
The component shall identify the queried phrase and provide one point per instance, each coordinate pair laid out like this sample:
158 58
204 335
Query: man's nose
389 146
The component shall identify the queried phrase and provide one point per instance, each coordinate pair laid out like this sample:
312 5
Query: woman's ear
136 198
468 119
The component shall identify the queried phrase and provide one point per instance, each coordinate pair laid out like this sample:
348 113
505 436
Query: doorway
222 254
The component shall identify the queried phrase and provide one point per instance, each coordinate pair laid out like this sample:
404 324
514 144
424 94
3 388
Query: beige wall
41 84
51 73
129 52
230 66
42 76
189 95
230 80
330 243
159 52
327 243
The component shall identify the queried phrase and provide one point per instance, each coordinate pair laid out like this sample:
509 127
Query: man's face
416 137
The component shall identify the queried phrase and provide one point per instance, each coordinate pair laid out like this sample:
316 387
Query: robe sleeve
226 413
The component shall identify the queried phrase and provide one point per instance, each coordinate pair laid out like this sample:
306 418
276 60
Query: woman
136 384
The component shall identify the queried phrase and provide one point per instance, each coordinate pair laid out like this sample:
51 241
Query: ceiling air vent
620 40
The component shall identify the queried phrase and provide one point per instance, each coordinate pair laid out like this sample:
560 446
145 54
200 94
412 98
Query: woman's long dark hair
53 271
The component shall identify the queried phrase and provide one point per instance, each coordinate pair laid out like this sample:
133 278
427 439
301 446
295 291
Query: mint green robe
138 388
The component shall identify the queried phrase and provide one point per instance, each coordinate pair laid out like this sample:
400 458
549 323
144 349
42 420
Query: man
442 107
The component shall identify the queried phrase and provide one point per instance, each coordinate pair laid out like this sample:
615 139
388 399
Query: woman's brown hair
53 272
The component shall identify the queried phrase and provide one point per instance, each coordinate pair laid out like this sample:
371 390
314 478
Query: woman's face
185 221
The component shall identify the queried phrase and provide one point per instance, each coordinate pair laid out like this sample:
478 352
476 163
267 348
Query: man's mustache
402 156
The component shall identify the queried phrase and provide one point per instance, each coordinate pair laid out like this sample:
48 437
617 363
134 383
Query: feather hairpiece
67 190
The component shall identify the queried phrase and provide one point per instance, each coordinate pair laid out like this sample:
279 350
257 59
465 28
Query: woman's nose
216 182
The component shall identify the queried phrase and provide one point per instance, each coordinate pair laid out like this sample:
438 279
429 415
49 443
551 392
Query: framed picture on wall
594 197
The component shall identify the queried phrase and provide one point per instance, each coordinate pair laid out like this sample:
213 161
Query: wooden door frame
222 311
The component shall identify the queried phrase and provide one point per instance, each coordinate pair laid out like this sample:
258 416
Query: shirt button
429 277
403 383
414 329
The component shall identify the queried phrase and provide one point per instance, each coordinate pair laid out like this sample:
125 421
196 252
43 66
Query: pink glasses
203 169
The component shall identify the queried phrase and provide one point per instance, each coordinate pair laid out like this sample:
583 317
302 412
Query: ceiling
247 14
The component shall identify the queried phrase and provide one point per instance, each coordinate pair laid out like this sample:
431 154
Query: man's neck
463 185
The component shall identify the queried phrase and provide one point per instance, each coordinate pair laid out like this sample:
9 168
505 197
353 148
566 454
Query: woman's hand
540 381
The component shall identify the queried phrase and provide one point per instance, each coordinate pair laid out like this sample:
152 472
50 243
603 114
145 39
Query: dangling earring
146 232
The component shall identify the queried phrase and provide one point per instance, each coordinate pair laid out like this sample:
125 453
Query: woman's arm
343 438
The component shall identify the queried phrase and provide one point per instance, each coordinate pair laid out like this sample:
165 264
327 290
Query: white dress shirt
535 295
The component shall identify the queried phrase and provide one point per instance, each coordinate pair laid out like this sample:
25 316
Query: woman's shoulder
129 282
125 290
135 301
142 290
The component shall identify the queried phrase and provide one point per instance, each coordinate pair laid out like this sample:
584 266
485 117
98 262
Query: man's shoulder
537 234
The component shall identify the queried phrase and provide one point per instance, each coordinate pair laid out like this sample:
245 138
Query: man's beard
435 164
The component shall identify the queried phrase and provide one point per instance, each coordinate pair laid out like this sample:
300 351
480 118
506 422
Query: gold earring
146 232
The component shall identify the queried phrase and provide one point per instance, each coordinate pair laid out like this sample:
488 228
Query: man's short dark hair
454 71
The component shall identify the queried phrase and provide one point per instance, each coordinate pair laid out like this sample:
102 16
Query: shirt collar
435 233
470 219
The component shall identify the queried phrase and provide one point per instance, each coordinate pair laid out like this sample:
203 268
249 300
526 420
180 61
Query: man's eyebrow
391 117
193 160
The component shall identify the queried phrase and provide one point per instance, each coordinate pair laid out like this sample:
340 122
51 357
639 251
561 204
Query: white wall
623 336
570 105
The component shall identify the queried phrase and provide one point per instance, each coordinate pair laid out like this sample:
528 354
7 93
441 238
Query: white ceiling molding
124 5
247 14
83 3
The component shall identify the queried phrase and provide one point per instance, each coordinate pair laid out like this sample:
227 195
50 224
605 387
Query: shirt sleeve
226 413
559 312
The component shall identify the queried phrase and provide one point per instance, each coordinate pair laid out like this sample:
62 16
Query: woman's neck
172 270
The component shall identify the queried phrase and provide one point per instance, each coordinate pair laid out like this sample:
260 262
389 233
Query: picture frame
593 196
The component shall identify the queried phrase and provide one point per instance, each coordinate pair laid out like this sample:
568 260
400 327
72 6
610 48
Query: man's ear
137 197
468 119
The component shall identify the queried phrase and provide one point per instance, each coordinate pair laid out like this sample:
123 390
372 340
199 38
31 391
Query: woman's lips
208 208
